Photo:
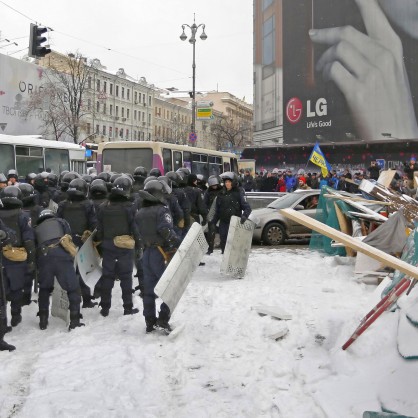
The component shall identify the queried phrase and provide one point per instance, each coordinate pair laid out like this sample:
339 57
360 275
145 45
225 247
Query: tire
274 234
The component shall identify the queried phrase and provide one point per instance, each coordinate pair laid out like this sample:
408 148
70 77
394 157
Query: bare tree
61 97
229 133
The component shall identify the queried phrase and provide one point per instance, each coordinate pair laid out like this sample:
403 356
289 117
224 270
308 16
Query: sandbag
124 241
15 253
67 243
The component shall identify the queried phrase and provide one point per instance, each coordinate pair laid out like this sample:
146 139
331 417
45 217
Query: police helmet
148 179
229 175
44 175
45 214
174 178
154 191
129 176
140 172
114 176
191 179
104 176
12 173
28 192
98 187
155 172
69 177
214 181
87 178
30 177
77 188
11 196
52 180
3 178
183 175
167 181
63 173
121 186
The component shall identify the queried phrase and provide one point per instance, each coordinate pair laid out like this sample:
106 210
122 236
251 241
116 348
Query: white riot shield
179 271
88 262
53 206
60 304
237 248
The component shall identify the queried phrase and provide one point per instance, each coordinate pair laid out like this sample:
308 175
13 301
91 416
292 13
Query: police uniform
55 261
116 219
14 272
155 226
209 198
194 194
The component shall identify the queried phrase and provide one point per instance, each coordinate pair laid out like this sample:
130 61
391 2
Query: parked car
274 228
258 200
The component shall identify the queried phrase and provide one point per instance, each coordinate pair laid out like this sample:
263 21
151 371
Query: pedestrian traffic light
36 49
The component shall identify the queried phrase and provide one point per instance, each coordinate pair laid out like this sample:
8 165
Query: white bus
125 156
32 154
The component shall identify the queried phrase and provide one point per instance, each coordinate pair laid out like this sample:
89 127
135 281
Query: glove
243 219
31 267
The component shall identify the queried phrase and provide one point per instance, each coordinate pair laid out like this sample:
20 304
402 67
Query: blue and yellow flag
318 158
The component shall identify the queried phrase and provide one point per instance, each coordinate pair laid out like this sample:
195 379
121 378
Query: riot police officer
55 261
140 174
194 194
98 193
117 231
4 346
178 183
209 198
155 226
79 212
19 258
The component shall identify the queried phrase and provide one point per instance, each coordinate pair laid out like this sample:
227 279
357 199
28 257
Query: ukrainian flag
318 158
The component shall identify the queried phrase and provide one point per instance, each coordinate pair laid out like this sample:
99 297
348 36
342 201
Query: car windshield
285 201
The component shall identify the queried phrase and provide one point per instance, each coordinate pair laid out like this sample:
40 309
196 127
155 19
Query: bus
32 154
125 156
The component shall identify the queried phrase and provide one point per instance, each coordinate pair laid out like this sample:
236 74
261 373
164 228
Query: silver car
274 228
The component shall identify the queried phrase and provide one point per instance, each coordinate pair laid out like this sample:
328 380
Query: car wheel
274 234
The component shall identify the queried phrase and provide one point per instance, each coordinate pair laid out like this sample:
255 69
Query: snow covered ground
220 360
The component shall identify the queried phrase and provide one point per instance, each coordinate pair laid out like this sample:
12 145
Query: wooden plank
386 177
357 199
367 216
385 259
345 227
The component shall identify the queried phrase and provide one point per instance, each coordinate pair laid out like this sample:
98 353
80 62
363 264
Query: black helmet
154 191
98 187
229 175
44 175
87 178
11 196
214 181
140 172
77 188
69 177
121 186
104 176
114 176
3 178
183 175
174 178
155 172
40 183
28 192
63 173
12 173
45 214
166 180
52 180
191 179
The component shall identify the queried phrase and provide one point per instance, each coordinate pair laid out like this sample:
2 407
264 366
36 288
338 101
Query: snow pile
221 359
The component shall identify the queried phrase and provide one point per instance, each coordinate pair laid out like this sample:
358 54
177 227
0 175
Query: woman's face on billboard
403 13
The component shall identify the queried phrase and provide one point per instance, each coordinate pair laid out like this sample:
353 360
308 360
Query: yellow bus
125 156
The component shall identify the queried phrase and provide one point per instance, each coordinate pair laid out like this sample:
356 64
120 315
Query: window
97 129
134 114
88 130
167 160
110 132
97 106
127 93
144 99
215 166
121 132
89 83
57 160
111 110
127 113
88 104
98 85
104 130
117 91
104 108
117 110
135 97
123 112
267 3
126 160
111 88
187 160
143 116
149 100
177 160
268 41
127 134
200 164
123 92
104 86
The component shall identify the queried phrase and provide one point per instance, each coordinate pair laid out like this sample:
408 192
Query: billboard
18 79
349 71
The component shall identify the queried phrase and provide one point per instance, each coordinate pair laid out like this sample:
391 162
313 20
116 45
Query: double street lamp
193 28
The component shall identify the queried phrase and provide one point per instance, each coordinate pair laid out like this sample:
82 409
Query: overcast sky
143 38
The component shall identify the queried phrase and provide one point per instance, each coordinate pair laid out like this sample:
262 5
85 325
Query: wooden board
345 227
385 259
386 177
367 216
273 311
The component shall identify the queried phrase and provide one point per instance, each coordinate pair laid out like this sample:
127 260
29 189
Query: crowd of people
138 219
347 180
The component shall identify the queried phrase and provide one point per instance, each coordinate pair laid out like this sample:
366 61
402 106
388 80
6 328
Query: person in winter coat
281 183
409 169
248 182
302 184
209 198
230 202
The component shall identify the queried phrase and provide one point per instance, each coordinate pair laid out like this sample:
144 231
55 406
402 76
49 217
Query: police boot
150 323
129 309
4 328
26 299
6 347
88 303
16 318
162 322
105 309
43 319
75 320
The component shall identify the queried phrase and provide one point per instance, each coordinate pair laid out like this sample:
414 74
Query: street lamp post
193 28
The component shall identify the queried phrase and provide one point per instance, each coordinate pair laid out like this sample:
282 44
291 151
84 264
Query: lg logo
294 109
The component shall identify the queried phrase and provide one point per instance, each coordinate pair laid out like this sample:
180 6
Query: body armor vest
11 219
33 212
75 214
148 226
49 229
115 220
230 205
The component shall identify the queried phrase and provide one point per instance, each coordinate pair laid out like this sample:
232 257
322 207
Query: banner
318 158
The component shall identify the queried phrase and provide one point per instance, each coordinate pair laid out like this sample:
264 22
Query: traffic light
36 49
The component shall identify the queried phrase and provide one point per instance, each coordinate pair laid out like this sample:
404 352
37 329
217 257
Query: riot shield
179 271
237 248
88 262
60 304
